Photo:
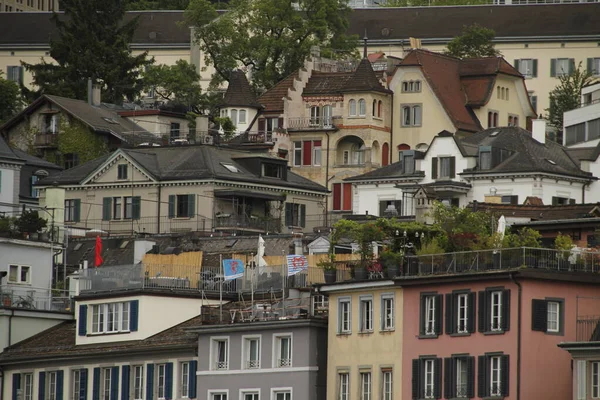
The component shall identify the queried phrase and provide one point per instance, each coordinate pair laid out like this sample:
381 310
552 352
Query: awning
248 193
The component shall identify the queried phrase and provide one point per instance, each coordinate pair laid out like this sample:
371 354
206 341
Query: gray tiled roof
6 152
392 171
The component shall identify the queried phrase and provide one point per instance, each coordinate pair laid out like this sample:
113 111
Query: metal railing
300 123
588 328
150 225
46 139
34 300
264 224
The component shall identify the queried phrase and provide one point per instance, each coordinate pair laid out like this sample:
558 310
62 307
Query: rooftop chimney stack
538 130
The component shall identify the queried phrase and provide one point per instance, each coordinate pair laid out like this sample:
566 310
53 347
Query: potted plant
391 262
30 222
329 269
6 226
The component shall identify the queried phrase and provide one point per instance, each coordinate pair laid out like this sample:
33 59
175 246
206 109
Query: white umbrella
501 226
259 259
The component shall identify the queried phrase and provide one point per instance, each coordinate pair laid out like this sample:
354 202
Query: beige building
28 5
365 316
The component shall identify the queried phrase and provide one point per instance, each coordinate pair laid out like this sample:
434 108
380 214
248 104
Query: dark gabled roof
272 99
584 153
326 83
59 341
6 153
239 93
35 161
389 172
540 212
364 79
201 162
528 155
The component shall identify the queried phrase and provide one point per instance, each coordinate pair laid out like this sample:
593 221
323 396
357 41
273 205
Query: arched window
379 107
242 117
506 94
233 116
352 107
498 92
385 154
374 108
362 107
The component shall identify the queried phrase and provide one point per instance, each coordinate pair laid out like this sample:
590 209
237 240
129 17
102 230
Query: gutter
327 180
519 305
12 314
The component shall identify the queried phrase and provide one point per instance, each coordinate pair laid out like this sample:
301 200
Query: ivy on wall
76 138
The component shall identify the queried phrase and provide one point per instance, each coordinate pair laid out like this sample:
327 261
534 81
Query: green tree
461 228
157 5
567 96
475 42
92 41
179 84
10 99
270 37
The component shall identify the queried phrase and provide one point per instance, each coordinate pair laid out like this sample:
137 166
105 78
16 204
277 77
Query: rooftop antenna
365 44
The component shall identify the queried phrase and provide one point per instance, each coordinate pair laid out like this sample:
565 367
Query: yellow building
365 316
28 5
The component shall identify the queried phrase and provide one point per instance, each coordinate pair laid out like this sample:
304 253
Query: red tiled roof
375 56
321 83
272 99
478 89
533 201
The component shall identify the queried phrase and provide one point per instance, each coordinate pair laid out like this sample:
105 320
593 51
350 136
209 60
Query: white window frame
461 381
315 116
343 385
559 71
27 386
161 381
252 392
495 376
241 116
215 363
366 385
279 362
553 313
297 153
388 309
496 311
316 156
184 379
345 315
429 378
352 108
278 390
75 384
429 315
247 362
137 392
462 313
414 118
120 169
366 314
51 385
387 384
17 278
362 107
526 72
106 383
211 394
595 379
120 319
444 167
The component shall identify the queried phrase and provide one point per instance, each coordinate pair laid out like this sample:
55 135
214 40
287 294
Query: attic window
110 120
550 161
495 133
77 246
231 243
124 244
231 168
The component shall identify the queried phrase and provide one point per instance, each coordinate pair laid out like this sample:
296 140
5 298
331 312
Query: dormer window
272 170
407 162
443 168
485 158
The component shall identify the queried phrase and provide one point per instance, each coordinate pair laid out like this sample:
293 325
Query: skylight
550 161
110 120
231 168
495 133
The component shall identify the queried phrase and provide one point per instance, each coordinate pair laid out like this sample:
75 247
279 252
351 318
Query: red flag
99 259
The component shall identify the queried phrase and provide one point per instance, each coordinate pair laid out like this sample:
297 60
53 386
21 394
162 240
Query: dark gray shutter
169 380
134 306
505 310
42 386
83 384
303 215
571 65
422 316
82 320
401 161
590 66
382 207
554 200
191 211
471 312
553 67
289 212
539 315
470 377
280 123
434 164
450 314
514 199
106 208
16 386
125 382
534 72
149 381
439 314
449 385
504 374
437 379
77 210
96 384
114 383
193 379
516 64
416 379
482 390
60 385
261 125
172 206
483 312
452 167
136 205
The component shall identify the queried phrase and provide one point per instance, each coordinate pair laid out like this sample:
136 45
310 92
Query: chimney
96 95
538 129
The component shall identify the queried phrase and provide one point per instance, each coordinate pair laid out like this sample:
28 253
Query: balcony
147 225
46 140
35 301
232 222
311 124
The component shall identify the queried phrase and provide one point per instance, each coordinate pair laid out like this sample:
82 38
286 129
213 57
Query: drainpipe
158 211
391 150
519 301
12 314
327 179
583 192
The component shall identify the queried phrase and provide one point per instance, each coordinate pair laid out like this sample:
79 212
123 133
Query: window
283 351
593 66
460 373
431 314
117 202
282 395
485 159
71 160
492 119
241 117
15 74
250 396
561 66
327 116
443 167
342 197
527 67
295 214
79 383
35 192
427 379
390 207
411 115
352 108
25 382
307 153
494 310
121 208
111 317
316 153
387 384
407 162
122 171
128 210
387 312
182 206
495 380
560 201
185 380
595 380
366 315
315 116
297 154
365 386
362 107
220 354
411 86
252 353
138 382
272 170
344 316
218 396
174 130
160 380
52 386
105 384
231 168
19 274
547 315
513 199
344 386
460 313
533 101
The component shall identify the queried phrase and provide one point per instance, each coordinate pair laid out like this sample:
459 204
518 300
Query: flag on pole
296 263
233 269
99 260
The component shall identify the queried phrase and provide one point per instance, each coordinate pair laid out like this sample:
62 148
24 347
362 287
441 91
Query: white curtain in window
416 115
352 107
362 107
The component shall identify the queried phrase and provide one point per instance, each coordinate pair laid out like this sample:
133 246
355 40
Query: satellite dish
41 172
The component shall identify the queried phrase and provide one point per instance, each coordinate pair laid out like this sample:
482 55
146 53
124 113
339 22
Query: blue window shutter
16 385
125 382
114 383
83 383
106 208
77 211
192 383
134 307
60 383
149 381
42 386
82 320
172 206
169 380
96 388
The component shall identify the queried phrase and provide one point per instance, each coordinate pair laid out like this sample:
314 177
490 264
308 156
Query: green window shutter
125 382
114 383
482 377
193 379
571 65
96 384
416 382
450 313
172 206
149 381
82 320
553 67
169 380
470 377
434 164
136 205
289 209
448 381
452 167
42 386
191 205
303 215
106 208
590 66
16 386
516 64
60 384
539 315
77 211
534 72
504 374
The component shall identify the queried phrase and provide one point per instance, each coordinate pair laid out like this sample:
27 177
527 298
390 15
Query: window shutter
136 206
553 67
449 314
554 200
169 380
125 382
483 312
21 75
42 386
434 164
289 213
149 381
16 385
82 320
534 72
470 377
572 201
471 312
303 215
481 377
347 197
571 65
516 64
83 384
106 208
171 206
505 310
60 384
114 383
416 381
514 199
307 152
452 167
422 317
77 210
96 385
504 374
439 313
448 381
134 306
590 66
539 315
193 379
382 207
337 196
261 125
437 378
191 205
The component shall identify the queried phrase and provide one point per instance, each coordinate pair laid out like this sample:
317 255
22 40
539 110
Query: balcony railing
242 222
588 328
149 225
46 140
310 123
35 301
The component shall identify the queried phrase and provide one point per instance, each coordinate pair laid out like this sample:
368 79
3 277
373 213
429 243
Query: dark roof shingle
364 79
239 93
